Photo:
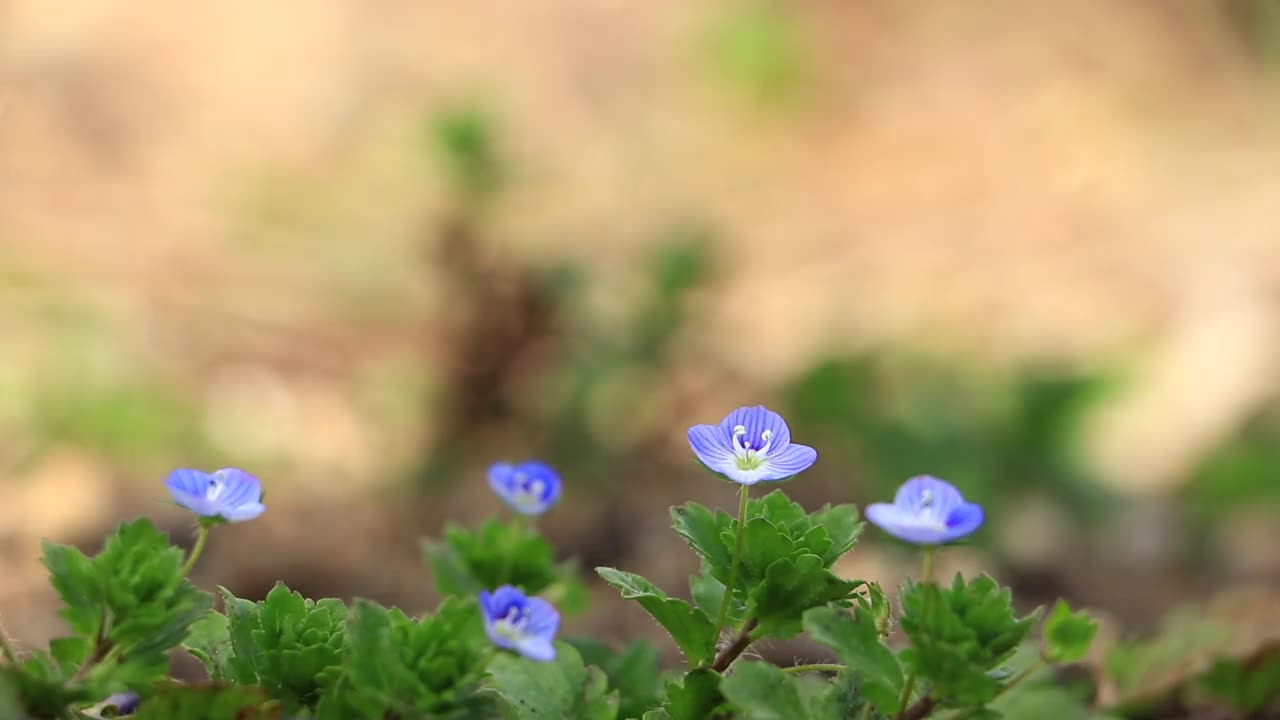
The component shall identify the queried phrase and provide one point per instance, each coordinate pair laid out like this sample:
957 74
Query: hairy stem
926 572
733 567
201 538
815 667
919 709
731 651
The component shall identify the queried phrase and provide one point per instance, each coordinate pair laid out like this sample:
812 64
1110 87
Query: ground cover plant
935 648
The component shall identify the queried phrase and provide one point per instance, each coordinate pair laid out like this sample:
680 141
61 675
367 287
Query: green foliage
126 607
696 696
1067 635
856 641
1246 686
209 641
633 673
690 627
562 689
465 144
290 646
958 635
429 668
759 691
786 558
495 554
215 702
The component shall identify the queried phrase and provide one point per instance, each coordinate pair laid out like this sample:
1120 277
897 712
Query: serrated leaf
959 634
633 671
73 576
761 691
563 689
209 641
467 561
696 696
702 530
708 592
393 665
1067 635
762 545
789 588
842 527
857 643
690 627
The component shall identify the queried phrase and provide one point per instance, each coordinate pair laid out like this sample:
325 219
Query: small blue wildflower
517 622
751 445
926 511
530 488
125 703
228 494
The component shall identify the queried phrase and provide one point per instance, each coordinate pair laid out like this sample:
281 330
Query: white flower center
512 625
747 457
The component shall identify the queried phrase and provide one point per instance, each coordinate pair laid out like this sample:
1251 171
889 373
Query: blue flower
228 494
123 703
530 488
926 511
751 445
517 622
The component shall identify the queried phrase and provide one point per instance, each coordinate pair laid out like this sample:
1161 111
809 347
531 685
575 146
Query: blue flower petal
756 420
188 482
712 447
247 511
530 488
964 519
794 460
536 648
942 494
500 478
926 511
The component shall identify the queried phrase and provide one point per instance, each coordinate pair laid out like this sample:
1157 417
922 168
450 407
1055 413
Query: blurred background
363 249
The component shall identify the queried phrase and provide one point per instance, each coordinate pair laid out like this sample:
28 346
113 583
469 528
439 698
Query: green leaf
290 646
562 689
1067 635
217 702
1247 687
209 641
857 643
702 531
73 576
761 691
791 587
842 527
690 627
958 635
708 592
397 666
468 561
762 544
633 671
695 697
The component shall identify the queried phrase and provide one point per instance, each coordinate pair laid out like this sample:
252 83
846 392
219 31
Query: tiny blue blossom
927 511
228 494
123 704
751 445
517 622
530 488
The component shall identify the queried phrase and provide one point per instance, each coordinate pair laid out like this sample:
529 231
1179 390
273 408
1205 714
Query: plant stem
201 538
927 573
815 667
735 648
733 568
920 709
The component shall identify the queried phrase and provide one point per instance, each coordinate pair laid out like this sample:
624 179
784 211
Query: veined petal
711 446
756 420
543 618
793 460
188 481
